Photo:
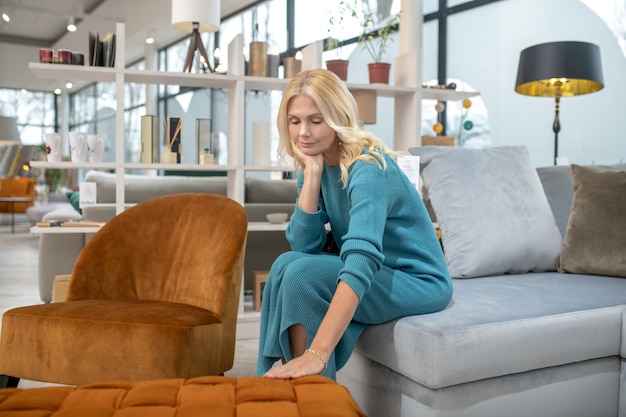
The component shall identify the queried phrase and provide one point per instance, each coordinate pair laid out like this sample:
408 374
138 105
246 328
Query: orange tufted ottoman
314 396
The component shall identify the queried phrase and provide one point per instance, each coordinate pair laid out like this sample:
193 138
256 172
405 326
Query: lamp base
195 44
556 127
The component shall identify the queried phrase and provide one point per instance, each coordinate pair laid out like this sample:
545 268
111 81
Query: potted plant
337 30
375 39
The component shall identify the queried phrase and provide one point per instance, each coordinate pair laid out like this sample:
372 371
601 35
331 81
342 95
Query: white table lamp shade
205 12
8 130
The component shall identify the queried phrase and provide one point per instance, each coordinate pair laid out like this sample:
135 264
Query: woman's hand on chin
309 161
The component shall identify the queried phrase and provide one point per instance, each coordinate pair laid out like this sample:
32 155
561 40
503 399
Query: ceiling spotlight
149 40
71 25
6 17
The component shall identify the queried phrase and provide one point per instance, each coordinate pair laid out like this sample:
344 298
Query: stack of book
102 51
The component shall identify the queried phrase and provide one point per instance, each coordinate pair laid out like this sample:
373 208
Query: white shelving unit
407 94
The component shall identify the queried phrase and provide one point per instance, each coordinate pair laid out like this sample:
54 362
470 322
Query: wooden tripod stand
195 44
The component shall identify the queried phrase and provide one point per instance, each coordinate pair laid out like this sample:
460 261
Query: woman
390 265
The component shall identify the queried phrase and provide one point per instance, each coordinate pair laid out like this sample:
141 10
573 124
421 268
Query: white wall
484 50
484 45
14 71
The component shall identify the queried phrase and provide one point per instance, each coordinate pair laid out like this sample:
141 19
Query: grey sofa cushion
503 325
62 214
270 191
557 185
493 214
138 188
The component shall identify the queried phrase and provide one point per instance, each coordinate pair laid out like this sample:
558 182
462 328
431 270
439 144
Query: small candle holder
292 66
169 158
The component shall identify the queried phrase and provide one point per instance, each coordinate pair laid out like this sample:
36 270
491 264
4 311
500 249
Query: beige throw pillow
595 239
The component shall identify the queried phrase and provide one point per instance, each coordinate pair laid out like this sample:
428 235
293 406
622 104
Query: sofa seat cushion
504 325
144 356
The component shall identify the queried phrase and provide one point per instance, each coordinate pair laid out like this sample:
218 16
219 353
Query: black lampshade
559 69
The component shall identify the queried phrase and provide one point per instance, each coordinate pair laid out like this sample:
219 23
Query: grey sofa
539 343
58 252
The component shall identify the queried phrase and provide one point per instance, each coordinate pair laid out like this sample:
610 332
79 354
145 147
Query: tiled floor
19 287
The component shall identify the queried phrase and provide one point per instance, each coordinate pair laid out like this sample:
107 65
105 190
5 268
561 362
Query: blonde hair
339 110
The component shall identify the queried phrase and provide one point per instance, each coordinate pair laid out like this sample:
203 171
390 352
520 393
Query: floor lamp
559 69
196 16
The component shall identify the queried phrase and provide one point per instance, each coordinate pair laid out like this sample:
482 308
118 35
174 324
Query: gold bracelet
320 357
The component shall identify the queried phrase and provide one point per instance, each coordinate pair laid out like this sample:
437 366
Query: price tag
87 194
410 165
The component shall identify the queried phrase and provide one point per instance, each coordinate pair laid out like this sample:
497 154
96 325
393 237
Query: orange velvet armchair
154 294
17 187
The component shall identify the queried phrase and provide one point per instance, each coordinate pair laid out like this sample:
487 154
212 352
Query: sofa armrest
57 255
101 213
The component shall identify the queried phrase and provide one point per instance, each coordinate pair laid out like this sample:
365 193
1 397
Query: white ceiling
42 23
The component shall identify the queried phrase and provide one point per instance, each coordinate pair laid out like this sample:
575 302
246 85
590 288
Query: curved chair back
185 248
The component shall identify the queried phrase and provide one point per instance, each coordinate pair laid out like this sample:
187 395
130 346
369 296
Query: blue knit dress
389 255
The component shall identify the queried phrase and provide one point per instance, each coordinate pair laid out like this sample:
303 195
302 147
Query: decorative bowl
276 218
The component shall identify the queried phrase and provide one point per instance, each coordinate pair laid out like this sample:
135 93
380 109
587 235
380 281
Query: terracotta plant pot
339 67
379 72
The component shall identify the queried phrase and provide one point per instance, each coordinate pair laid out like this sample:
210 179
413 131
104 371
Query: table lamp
8 130
559 69
196 16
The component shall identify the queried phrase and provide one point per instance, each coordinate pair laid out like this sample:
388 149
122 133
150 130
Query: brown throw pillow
595 240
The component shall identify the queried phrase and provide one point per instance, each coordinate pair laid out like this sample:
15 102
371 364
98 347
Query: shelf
62 230
252 227
73 165
446 95
131 165
268 168
179 167
211 80
73 72
383 90
182 79
95 74
266 227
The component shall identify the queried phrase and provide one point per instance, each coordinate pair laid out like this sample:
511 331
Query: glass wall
35 112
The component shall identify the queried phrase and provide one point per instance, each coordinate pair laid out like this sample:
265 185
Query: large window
266 21
34 110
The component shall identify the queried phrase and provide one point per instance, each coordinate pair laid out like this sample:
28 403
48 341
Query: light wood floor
19 287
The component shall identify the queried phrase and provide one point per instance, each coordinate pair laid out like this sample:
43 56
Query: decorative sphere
467 103
438 127
468 125
451 86
440 106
